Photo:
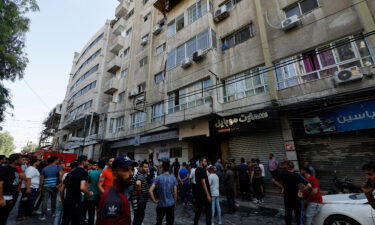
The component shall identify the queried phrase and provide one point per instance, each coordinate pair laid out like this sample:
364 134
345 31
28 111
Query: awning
166 5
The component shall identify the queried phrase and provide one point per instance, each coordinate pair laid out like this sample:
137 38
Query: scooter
341 186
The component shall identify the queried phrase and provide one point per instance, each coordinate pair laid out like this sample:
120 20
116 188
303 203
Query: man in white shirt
32 186
261 166
213 180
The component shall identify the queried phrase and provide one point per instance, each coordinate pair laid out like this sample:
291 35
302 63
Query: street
247 212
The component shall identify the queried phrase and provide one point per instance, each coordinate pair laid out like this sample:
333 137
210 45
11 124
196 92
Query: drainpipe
367 21
266 50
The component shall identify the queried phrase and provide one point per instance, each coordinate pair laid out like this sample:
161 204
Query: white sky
60 28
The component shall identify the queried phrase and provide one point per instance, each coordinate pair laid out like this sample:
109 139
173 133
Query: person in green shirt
93 201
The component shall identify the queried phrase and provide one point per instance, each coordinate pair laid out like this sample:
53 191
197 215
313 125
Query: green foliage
30 147
13 60
6 144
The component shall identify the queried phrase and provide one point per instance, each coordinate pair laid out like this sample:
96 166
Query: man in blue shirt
166 185
183 178
50 178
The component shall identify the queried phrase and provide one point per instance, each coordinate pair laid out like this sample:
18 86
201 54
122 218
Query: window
129 31
145 1
119 123
302 7
171 30
238 36
246 84
143 62
100 37
160 49
175 153
80 108
121 97
202 41
84 76
145 18
145 38
131 12
322 62
137 119
111 123
157 112
88 61
126 52
180 22
124 73
159 77
83 91
197 10
189 97
141 87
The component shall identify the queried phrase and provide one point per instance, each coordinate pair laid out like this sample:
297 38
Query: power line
36 94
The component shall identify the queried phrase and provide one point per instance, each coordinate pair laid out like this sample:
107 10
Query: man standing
183 178
75 183
32 186
219 168
228 181
176 167
93 201
106 177
307 164
49 180
166 186
203 193
244 179
369 186
9 179
292 202
313 198
140 193
273 165
256 180
213 180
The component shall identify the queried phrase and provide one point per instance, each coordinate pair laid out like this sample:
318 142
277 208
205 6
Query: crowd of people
117 190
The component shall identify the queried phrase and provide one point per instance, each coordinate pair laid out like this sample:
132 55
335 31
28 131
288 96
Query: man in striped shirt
50 178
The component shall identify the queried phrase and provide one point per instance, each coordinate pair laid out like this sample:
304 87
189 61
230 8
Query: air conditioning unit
144 41
157 29
139 100
221 13
198 55
347 75
290 22
186 63
132 94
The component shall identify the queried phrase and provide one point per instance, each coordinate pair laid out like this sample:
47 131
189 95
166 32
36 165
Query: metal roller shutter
343 152
258 145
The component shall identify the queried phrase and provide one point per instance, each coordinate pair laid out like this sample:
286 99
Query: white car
345 209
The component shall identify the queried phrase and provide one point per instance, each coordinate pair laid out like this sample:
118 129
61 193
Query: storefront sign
355 116
138 140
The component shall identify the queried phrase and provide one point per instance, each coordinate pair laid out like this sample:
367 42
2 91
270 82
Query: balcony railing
114 65
117 44
111 86
121 10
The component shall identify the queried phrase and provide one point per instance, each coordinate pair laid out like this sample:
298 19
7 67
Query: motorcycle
342 186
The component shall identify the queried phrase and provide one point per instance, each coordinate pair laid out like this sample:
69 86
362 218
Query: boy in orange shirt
106 177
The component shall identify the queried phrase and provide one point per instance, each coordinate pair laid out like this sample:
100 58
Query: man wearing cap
114 205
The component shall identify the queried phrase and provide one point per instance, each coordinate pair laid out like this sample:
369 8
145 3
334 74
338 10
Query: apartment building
85 104
239 78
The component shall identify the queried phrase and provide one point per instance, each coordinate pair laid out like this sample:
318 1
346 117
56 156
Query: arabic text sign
355 116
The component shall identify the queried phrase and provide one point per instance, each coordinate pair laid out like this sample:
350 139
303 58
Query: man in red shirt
114 205
313 197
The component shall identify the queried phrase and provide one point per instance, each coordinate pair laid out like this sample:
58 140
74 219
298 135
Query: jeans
139 213
161 212
203 203
92 205
49 192
74 214
27 203
4 211
185 193
230 199
244 188
257 185
216 206
23 204
311 210
292 204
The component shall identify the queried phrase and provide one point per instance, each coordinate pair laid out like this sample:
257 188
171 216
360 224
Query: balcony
118 26
121 10
114 65
111 86
117 44
165 6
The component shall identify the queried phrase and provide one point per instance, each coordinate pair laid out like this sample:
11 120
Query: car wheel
340 220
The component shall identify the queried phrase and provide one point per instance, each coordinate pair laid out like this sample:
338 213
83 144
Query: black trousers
230 199
92 205
139 213
4 211
74 214
203 203
257 185
292 204
161 212
245 188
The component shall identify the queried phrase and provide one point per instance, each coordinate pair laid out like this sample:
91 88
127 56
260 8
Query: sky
59 29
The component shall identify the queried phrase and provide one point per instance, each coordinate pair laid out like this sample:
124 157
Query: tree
30 147
13 60
6 143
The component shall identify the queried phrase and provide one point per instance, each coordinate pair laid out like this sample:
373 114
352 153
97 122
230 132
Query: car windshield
359 196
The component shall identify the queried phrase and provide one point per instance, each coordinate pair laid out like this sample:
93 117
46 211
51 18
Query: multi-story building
241 78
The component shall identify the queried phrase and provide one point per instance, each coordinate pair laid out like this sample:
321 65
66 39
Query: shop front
341 138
